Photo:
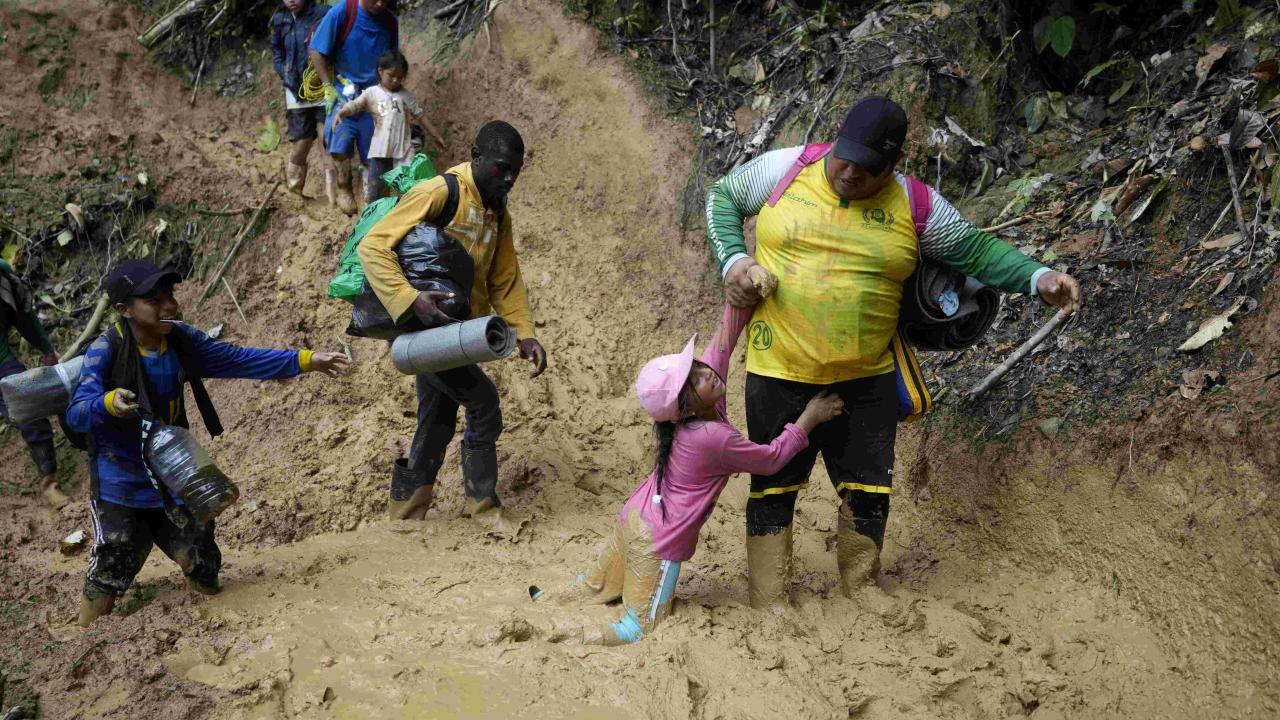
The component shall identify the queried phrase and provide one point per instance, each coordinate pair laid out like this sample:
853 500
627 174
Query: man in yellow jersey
482 225
841 240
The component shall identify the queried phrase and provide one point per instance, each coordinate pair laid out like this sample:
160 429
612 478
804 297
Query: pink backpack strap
810 155
921 203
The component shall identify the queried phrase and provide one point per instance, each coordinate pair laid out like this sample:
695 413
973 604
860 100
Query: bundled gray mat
444 348
42 391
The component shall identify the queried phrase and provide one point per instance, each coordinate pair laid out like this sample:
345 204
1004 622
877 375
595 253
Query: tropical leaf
1062 34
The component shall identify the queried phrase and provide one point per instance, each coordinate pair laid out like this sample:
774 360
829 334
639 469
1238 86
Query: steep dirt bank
1028 578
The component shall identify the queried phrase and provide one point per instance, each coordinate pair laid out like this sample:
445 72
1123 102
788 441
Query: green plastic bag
346 283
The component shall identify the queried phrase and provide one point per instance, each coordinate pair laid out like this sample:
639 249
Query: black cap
872 134
132 278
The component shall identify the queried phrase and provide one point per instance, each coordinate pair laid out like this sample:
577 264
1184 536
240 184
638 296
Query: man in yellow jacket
482 225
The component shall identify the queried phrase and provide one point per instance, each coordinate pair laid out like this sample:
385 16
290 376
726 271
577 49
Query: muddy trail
1024 579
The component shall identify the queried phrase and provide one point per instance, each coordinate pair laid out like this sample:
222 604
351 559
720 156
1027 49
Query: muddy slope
1025 584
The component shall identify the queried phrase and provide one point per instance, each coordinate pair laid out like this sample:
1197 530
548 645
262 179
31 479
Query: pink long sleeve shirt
703 456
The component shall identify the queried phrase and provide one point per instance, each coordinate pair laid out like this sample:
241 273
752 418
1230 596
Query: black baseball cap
132 278
872 134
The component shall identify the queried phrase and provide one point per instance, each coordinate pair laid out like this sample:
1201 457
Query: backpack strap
208 414
450 204
350 9
811 154
921 200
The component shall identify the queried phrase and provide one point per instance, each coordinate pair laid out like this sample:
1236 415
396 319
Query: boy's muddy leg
296 170
342 181
122 538
194 549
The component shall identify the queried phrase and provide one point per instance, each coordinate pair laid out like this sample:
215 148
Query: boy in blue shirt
291 30
138 366
345 50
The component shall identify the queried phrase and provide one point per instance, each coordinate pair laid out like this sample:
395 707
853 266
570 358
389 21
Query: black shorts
304 123
856 447
123 537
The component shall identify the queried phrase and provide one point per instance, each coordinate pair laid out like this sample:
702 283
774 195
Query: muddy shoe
92 609
54 497
295 178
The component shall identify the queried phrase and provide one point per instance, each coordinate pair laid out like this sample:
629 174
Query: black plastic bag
431 260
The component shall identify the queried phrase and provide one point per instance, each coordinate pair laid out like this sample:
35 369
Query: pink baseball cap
661 380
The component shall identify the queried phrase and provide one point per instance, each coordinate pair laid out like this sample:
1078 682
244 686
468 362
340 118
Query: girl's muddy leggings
628 568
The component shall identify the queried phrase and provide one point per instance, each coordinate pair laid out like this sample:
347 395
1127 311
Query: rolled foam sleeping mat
942 310
444 348
41 391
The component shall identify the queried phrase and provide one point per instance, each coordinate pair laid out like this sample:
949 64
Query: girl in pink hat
698 449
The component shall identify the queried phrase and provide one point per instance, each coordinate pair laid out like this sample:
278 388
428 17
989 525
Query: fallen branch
223 213
244 233
153 34
449 9
817 114
712 63
95 320
1015 221
1020 353
1235 193
234 301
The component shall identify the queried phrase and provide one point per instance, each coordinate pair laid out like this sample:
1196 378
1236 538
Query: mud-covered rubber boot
342 178
769 570
480 483
92 609
295 177
858 561
411 492
331 185
857 556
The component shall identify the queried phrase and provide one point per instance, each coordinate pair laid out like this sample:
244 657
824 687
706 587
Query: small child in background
392 108
291 30
698 449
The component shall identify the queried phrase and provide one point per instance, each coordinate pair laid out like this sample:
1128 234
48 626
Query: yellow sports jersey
840 267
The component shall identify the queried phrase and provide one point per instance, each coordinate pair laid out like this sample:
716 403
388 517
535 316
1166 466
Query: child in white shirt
392 109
